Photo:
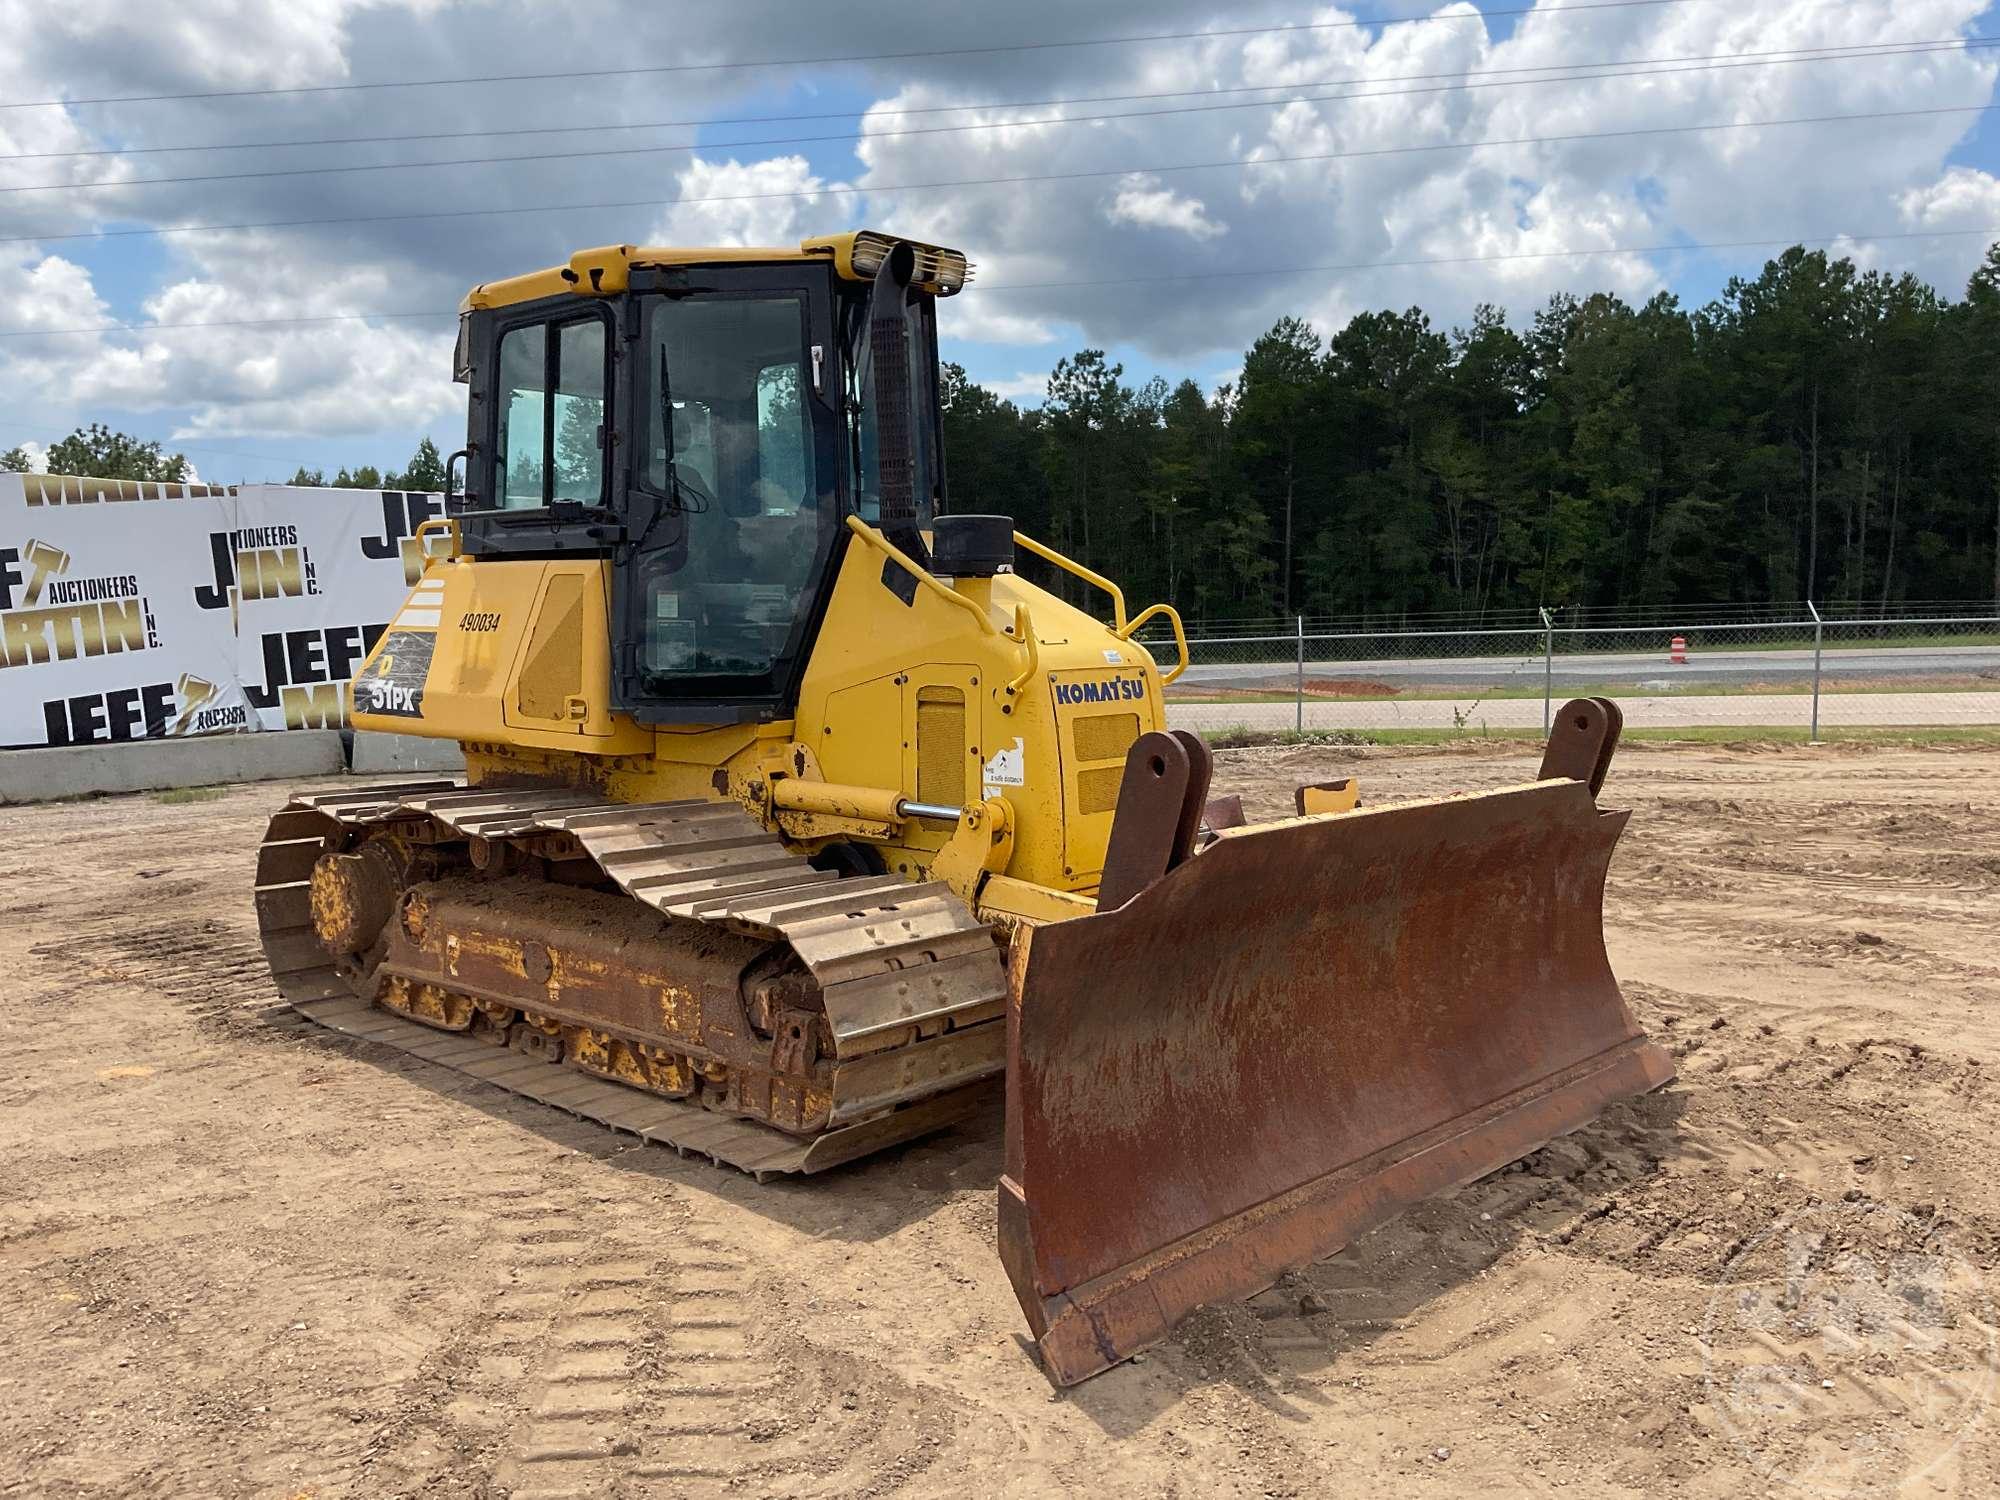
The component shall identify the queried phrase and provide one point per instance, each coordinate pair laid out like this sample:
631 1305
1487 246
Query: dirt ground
244 1257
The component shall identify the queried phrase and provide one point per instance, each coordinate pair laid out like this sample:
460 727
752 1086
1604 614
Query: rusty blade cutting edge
1294 1036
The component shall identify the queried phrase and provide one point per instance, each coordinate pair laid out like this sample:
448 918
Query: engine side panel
1052 742
500 653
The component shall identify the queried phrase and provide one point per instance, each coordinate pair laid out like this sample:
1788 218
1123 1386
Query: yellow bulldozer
796 819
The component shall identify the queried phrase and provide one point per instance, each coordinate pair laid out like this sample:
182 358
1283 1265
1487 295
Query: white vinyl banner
134 610
318 579
101 636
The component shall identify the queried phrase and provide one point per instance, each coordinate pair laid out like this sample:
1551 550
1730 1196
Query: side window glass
784 442
579 413
552 417
523 391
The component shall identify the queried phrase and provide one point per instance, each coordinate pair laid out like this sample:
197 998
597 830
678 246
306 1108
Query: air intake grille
941 747
1105 736
1097 790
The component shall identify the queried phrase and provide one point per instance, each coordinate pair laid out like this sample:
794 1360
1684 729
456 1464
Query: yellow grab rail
1078 570
1121 627
1024 631
1180 637
445 524
910 565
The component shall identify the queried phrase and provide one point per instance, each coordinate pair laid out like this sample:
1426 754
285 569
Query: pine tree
425 473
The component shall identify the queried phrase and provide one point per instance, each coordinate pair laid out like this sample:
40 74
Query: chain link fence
1805 671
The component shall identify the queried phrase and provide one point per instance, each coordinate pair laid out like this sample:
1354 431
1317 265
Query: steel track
889 955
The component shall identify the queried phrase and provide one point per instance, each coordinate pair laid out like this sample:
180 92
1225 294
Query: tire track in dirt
207 967
712 1400
1323 1327
577 1315
596 1364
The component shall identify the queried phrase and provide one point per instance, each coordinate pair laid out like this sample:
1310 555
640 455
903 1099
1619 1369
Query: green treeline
425 473
1816 432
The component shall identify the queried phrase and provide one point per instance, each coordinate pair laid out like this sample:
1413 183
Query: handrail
1024 631
909 564
1078 570
1180 636
449 526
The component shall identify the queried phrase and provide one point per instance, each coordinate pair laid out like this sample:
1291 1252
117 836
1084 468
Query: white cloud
1143 200
1028 387
1957 213
48 292
1963 198
1495 216
777 201
331 378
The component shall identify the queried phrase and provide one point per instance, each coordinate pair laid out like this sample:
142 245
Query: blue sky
255 404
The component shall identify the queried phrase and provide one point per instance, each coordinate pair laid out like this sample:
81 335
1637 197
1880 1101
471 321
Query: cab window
730 468
553 421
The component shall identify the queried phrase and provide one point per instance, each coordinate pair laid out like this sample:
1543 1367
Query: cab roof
607 270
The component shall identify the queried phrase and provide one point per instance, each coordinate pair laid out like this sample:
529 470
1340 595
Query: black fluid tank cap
971 546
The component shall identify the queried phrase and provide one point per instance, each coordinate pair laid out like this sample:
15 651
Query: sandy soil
247 1258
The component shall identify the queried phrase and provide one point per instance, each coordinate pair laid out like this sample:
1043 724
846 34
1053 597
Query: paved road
1837 710
1638 670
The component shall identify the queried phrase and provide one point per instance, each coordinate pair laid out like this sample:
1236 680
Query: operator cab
705 420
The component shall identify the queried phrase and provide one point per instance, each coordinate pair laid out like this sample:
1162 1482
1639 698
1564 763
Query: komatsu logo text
1113 690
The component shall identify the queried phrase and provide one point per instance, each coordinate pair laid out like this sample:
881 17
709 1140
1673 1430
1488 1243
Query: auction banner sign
136 610
318 575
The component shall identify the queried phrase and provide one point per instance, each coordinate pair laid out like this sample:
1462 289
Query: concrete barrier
154 765
377 753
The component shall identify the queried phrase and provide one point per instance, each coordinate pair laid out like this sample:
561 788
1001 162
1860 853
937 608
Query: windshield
737 525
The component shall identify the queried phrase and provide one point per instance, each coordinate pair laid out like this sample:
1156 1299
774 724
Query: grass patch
1832 687
1914 736
1844 635
1238 737
181 794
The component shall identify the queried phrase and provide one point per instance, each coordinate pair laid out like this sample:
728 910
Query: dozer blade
1289 1038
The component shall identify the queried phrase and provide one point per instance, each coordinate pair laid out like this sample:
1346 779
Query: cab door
734 493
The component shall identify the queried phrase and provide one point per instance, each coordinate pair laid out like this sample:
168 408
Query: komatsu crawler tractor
796 819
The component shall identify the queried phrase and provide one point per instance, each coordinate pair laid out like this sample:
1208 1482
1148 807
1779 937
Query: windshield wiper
674 497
